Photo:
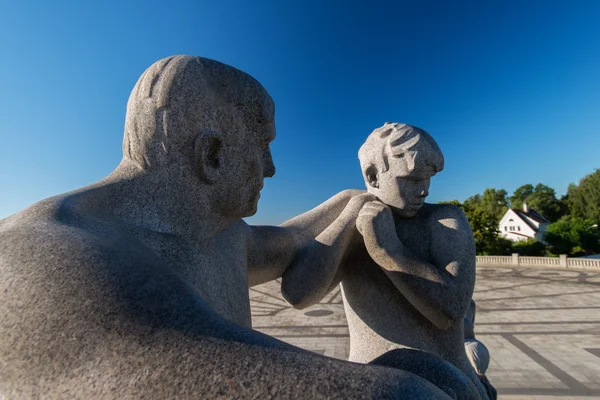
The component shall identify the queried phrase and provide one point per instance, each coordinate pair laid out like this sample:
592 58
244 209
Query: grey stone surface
477 352
407 268
137 286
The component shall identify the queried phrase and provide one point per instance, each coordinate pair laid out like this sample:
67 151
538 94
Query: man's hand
375 223
357 202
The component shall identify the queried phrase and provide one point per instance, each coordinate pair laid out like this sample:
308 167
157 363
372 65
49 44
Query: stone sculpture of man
137 286
408 277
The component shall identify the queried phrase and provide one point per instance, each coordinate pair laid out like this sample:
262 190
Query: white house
523 224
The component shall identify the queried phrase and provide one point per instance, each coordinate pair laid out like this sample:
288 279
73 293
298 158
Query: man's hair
416 147
179 97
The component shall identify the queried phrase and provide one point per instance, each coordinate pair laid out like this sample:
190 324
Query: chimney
525 208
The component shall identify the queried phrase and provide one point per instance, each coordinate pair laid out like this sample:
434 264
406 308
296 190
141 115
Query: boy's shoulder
437 212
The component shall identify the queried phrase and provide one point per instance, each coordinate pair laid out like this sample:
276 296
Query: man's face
251 162
403 193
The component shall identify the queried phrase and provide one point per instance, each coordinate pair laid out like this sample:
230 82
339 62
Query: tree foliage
529 247
573 236
520 195
541 198
584 199
494 203
472 202
575 218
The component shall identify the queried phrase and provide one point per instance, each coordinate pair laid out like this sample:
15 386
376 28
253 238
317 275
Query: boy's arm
271 249
315 271
440 290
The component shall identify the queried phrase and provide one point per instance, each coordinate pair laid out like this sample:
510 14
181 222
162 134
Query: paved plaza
541 326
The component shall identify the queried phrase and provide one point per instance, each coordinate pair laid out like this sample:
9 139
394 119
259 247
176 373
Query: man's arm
315 271
271 249
440 290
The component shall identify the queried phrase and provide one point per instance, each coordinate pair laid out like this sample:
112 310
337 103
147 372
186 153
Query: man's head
208 120
397 162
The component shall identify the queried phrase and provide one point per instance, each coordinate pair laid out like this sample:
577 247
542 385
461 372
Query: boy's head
397 162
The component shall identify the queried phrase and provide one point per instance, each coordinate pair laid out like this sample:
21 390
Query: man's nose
269 166
424 192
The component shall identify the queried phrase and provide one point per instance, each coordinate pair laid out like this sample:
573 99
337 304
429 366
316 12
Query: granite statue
477 353
406 267
136 286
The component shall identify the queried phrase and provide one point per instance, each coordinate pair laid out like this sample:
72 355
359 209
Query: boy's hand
375 223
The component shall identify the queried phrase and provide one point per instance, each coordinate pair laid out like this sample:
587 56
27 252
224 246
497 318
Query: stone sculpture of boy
408 281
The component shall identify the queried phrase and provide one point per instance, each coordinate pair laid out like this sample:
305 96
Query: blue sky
509 89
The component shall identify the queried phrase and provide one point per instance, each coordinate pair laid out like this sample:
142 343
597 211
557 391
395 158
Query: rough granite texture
477 353
137 286
407 268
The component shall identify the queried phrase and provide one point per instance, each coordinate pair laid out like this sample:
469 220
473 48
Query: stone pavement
541 325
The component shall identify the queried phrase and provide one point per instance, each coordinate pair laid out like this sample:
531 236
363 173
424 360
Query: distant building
523 224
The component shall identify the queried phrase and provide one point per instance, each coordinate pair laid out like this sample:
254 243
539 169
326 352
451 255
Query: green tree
472 202
520 195
564 205
485 229
584 199
573 236
541 198
498 247
544 201
529 247
494 203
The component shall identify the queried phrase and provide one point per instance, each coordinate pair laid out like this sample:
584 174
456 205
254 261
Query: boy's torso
379 316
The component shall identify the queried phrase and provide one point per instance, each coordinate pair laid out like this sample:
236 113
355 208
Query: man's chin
250 211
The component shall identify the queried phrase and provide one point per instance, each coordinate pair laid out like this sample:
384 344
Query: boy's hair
415 146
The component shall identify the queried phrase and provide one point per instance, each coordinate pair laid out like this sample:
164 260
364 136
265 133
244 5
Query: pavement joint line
572 383
271 296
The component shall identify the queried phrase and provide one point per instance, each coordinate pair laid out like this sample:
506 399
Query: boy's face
404 193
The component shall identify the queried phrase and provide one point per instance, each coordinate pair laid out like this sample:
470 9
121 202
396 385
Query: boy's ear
370 173
208 156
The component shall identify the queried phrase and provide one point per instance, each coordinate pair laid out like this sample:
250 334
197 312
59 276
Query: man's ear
370 173
208 156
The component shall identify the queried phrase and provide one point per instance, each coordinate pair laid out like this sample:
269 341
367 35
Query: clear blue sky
509 89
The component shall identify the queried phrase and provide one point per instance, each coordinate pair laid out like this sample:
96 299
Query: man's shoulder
51 231
235 235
